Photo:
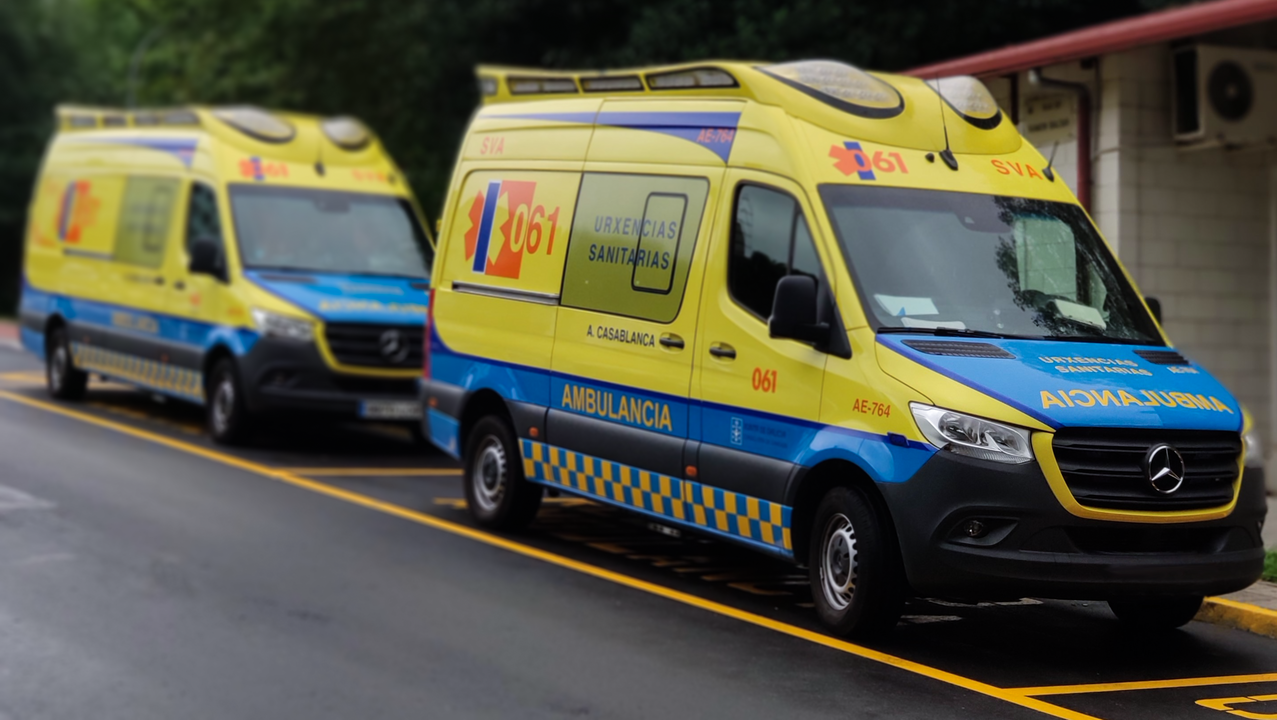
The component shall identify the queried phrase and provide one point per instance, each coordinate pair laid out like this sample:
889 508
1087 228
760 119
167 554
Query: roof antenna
1048 172
319 161
947 154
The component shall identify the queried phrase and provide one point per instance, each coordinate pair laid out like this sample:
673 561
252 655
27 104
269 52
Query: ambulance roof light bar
72 117
522 83
970 99
346 133
256 123
706 77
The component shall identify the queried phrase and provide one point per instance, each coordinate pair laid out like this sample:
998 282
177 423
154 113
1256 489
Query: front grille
366 344
1104 467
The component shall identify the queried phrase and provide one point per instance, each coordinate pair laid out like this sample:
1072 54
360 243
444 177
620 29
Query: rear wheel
63 380
498 495
229 422
857 581
1157 613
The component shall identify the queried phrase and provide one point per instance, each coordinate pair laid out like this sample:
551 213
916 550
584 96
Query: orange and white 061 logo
517 223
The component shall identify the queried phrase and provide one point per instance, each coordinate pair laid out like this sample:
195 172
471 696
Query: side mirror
794 311
1155 306
207 259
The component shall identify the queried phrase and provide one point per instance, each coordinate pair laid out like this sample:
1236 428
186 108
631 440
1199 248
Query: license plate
390 410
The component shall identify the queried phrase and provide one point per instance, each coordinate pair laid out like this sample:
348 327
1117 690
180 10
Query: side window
632 242
202 220
770 240
145 218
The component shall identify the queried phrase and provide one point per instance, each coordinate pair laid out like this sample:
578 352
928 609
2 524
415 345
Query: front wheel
856 577
1159 613
498 495
63 380
229 422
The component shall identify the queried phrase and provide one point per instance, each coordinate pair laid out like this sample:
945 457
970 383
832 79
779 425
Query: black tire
1156 613
857 580
498 495
63 380
229 421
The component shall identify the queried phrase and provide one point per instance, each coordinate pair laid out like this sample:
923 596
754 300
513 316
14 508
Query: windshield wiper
952 332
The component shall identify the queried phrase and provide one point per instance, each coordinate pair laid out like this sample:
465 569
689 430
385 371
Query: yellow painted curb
1239 615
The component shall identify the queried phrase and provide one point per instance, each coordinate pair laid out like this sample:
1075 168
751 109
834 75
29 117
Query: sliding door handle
672 341
722 351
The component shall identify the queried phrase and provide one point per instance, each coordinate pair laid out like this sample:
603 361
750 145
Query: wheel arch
51 323
476 406
820 479
213 356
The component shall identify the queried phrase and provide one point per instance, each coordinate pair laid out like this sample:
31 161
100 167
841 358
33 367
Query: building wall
1192 226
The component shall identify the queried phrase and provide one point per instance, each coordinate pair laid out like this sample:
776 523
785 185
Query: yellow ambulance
848 319
249 261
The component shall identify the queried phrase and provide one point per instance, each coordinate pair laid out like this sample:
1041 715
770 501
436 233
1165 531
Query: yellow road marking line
1011 696
36 376
1146 685
371 472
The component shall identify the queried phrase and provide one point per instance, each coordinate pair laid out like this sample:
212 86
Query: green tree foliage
50 51
406 66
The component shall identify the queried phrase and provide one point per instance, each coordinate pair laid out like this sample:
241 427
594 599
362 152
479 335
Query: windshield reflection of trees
1041 306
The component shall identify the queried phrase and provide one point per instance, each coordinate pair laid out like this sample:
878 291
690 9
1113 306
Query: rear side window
770 240
632 243
145 218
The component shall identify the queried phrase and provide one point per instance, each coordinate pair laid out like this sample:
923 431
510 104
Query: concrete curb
1239 615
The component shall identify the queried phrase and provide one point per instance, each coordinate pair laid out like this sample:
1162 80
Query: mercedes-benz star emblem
393 348
1165 467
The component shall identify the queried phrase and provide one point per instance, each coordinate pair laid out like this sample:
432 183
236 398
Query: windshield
946 262
328 231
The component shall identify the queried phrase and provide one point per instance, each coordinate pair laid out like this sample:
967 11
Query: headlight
972 436
282 326
1254 450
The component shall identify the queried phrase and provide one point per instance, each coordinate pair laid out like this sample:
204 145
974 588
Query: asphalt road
332 573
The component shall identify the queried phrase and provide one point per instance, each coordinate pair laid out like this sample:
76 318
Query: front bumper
1034 547
288 376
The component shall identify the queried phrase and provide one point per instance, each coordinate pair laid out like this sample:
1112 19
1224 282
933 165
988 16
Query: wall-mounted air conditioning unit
1224 96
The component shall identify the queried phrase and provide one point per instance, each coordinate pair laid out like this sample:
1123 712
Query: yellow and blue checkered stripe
161 377
681 501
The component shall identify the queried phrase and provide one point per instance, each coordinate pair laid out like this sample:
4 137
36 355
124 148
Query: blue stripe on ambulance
1080 384
485 226
883 458
151 374
695 126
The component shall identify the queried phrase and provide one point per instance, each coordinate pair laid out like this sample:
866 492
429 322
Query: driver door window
202 220
770 240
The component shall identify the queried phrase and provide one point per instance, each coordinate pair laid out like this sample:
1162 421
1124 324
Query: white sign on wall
1048 119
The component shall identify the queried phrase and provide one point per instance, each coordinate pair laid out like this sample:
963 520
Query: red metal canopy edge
1107 38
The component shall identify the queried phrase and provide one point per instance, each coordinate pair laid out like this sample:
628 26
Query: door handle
158 280
722 350
670 340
